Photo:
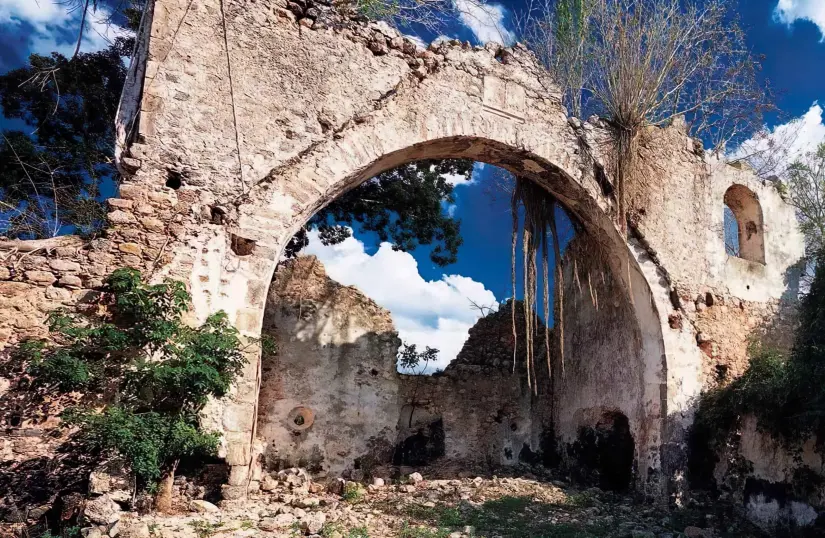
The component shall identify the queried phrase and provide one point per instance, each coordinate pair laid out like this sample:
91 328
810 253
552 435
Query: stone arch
287 190
746 209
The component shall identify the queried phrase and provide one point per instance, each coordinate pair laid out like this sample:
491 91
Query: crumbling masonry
241 118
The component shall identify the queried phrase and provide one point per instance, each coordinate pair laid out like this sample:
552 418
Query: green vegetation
353 493
204 529
333 529
155 372
51 171
786 394
404 206
508 517
412 531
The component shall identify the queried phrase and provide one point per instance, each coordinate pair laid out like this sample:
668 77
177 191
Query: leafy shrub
164 371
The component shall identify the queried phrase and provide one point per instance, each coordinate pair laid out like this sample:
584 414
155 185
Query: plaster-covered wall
250 116
334 373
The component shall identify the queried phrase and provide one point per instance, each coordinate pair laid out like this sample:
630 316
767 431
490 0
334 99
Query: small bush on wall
154 373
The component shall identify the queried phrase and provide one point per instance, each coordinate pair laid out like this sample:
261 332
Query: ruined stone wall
329 395
241 118
602 371
488 413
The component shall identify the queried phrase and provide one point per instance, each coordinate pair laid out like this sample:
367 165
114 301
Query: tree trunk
163 499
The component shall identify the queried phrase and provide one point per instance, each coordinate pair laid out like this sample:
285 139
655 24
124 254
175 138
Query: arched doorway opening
612 335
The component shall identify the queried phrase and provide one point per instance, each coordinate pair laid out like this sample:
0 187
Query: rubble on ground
291 505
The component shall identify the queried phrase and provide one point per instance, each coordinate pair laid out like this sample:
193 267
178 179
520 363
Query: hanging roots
539 217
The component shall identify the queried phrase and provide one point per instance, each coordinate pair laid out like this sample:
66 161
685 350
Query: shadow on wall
779 487
331 399
604 452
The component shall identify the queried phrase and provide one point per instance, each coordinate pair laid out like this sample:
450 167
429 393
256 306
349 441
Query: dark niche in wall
604 453
423 447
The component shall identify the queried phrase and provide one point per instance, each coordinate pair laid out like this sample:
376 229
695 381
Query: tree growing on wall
152 373
405 206
641 63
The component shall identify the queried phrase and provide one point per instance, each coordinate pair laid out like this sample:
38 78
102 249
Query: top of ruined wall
302 286
235 92
489 344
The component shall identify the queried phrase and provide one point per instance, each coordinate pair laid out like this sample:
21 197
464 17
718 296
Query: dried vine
539 209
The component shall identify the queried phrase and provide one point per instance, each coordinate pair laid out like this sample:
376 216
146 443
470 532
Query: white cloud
53 20
791 140
789 11
417 40
486 21
460 179
435 313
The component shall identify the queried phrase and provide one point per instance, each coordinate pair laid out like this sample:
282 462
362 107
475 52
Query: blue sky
431 305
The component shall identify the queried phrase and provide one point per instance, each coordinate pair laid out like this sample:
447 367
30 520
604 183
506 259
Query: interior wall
602 370
335 368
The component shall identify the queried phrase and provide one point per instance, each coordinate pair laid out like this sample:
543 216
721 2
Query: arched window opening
743 226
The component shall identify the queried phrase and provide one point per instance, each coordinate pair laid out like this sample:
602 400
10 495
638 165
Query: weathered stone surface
203 507
130 248
102 510
314 522
71 281
280 521
40 277
65 265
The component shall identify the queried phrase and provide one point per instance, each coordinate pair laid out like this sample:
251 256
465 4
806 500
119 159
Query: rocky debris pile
290 504
489 345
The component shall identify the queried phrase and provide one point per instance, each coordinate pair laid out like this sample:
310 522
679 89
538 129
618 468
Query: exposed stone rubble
293 505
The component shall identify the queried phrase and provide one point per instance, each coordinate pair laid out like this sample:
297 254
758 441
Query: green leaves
165 371
405 206
147 440
50 171
409 358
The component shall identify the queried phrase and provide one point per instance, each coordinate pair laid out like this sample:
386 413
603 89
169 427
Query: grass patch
336 529
507 517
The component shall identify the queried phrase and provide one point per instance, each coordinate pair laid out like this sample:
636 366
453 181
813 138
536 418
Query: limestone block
43 278
64 266
102 510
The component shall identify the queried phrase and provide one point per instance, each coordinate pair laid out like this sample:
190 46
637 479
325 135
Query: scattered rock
268 483
281 521
415 478
203 507
102 510
135 530
314 522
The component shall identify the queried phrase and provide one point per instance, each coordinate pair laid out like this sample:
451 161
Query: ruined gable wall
334 366
489 414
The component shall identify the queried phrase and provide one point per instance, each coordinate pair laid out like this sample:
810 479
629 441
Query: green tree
405 206
50 173
156 372
806 182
